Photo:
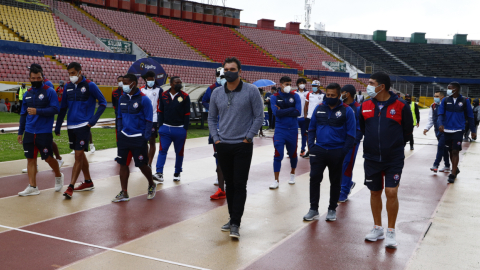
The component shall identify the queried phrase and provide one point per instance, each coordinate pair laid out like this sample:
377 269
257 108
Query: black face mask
331 101
231 76
408 100
178 87
37 84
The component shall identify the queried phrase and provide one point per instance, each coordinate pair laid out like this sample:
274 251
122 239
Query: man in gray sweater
240 108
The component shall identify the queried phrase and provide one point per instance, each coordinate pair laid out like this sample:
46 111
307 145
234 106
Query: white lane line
105 248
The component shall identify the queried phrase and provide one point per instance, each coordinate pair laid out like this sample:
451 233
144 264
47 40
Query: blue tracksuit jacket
135 114
452 115
290 108
208 94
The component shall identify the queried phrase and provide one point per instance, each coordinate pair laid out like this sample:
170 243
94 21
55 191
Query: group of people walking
332 125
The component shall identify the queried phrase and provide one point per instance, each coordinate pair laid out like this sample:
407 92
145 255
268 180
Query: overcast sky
437 18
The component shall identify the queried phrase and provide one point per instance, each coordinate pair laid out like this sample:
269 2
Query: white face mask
449 92
120 84
74 79
287 89
371 91
301 86
150 83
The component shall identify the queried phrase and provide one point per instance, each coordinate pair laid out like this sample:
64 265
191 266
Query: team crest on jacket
459 143
140 157
460 104
291 100
180 99
396 177
45 150
153 129
83 90
338 114
154 94
393 112
135 105
41 96
82 143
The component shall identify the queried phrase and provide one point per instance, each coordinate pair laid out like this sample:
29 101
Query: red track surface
115 224
341 244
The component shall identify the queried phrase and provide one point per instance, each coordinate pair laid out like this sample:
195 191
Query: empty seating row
14 68
81 19
71 38
218 42
292 49
145 33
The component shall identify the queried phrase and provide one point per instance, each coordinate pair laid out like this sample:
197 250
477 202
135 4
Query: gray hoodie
3 107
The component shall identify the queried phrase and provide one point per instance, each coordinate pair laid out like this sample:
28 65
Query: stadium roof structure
8 87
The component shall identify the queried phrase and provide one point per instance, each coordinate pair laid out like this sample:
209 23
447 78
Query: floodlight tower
308 12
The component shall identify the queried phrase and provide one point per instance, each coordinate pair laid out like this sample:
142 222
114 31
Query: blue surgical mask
371 91
449 92
223 81
150 83
127 89
314 89
437 100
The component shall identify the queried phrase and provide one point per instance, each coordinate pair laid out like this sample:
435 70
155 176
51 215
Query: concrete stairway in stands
396 58
120 37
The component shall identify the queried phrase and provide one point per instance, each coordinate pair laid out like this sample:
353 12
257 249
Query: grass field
103 138
15 118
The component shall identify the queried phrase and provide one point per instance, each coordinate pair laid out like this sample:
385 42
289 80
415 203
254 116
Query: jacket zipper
379 124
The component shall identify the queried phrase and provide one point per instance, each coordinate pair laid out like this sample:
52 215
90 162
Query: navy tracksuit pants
285 138
177 135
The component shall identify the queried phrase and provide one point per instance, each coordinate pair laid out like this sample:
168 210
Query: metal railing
33 5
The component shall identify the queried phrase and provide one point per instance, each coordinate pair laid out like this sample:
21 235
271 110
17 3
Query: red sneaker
85 187
218 195
68 193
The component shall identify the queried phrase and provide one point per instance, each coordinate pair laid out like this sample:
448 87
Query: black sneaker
306 155
176 177
234 231
451 179
411 147
458 172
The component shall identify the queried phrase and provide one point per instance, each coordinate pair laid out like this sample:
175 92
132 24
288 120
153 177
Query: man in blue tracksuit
453 112
348 97
40 104
174 118
331 134
286 107
220 80
442 152
79 99
135 116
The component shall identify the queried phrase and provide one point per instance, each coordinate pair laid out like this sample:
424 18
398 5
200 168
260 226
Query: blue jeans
177 135
442 152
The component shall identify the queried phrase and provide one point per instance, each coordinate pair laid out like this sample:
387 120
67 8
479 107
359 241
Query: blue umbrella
263 83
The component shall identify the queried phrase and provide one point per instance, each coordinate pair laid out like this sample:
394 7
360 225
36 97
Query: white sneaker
375 234
177 177
292 179
59 182
92 148
60 163
274 185
73 152
390 242
26 170
216 182
29 191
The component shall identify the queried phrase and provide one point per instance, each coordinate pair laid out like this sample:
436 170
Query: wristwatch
248 140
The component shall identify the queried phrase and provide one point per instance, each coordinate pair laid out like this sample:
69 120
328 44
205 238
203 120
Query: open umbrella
263 83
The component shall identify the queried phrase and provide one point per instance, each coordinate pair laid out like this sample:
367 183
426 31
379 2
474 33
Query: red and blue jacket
453 115
208 94
79 100
135 115
290 109
356 109
176 111
385 130
332 128
45 100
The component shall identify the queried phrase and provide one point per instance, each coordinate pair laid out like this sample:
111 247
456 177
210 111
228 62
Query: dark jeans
442 152
320 159
271 118
409 138
235 160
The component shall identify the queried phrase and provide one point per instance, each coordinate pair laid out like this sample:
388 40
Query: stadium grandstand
170 31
